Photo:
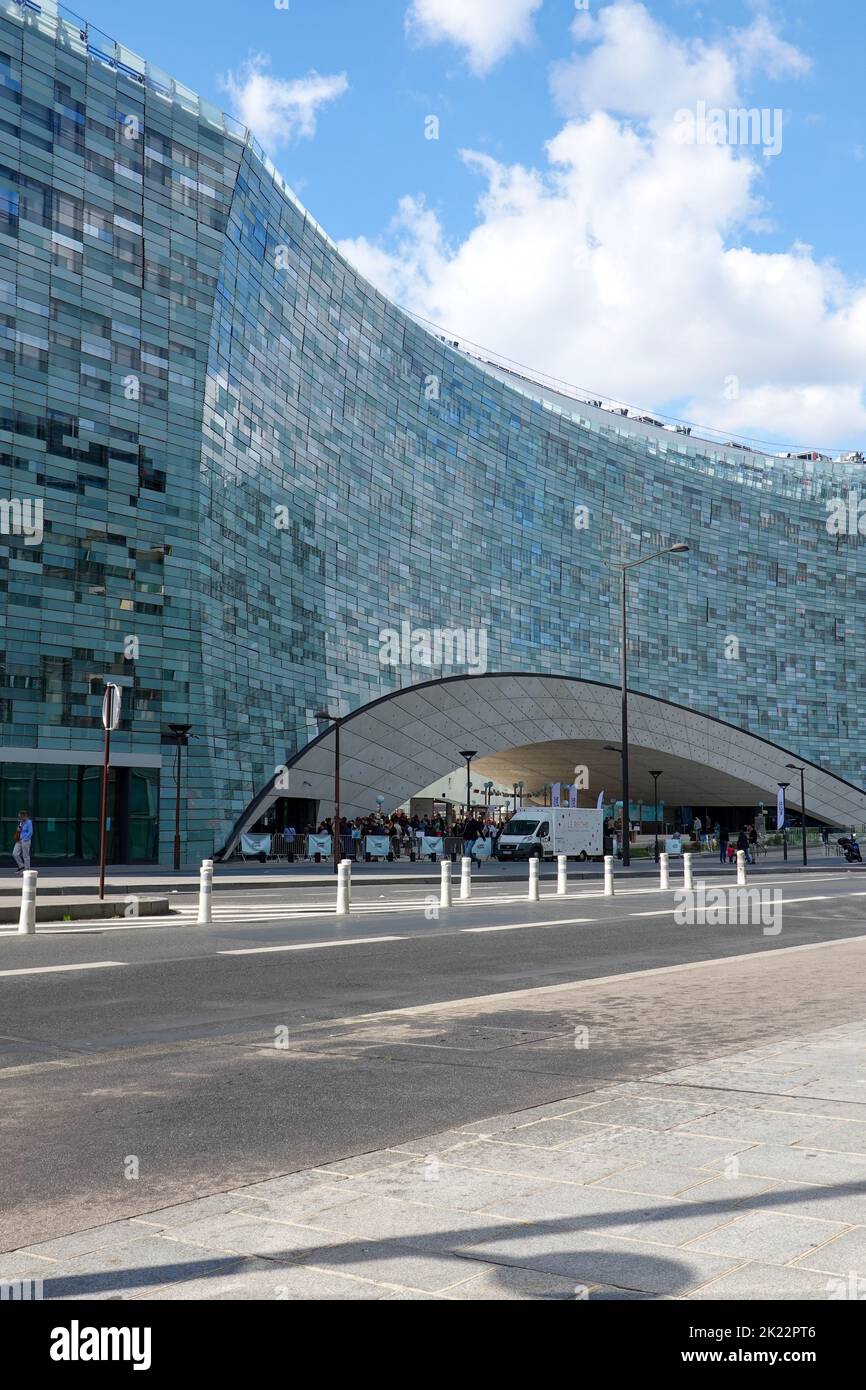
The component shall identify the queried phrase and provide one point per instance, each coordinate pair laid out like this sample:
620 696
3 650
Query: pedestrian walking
723 844
23 841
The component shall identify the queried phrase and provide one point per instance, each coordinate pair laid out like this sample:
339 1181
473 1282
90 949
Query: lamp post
181 734
655 776
680 548
784 787
518 790
325 716
795 767
468 755
111 707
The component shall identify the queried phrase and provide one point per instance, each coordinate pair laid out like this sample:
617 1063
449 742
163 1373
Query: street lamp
795 767
680 548
181 734
325 716
518 789
783 786
468 755
655 776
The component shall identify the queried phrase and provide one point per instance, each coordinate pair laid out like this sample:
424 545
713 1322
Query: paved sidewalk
742 1177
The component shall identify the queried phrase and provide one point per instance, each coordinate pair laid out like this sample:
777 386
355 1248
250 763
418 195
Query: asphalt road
220 1055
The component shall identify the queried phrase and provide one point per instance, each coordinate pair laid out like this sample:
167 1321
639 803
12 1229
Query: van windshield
521 827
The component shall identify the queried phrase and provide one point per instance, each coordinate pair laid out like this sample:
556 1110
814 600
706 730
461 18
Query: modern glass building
229 467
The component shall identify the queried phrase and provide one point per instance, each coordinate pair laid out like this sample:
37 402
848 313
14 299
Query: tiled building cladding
415 485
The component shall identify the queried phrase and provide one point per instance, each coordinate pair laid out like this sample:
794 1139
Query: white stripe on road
520 926
313 946
51 969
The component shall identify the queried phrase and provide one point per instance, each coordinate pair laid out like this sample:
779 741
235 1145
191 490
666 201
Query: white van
549 831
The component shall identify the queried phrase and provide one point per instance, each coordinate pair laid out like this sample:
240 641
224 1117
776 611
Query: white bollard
608 876
343 890
348 866
445 889
466 878
664 873
562 875
688 880
533 881
27 920
741 868
205 892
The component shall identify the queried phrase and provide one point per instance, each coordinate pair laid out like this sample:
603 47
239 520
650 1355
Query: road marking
51 969
520 926
313 946
662 912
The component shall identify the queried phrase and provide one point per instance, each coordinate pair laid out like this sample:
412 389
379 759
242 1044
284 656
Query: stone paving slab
709 1182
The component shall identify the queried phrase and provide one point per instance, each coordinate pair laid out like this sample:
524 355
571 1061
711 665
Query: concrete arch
403 741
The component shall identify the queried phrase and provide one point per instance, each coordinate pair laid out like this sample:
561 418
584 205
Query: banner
780 808
377 846
256 844
599 805
572 797
431 844
673 845
481 849
318 844
556 794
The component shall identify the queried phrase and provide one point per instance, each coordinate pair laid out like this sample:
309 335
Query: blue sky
363 151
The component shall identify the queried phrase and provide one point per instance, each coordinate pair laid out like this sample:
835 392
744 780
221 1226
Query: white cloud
486 29
622 263
278 110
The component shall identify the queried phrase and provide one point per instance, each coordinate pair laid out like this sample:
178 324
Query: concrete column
688 880
533 881
741 868
664 873
205 892
562 875
445 889
609 889
344 890
27 920
466 877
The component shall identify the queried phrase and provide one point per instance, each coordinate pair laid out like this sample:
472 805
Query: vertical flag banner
556 794
599 805
572 795
780 808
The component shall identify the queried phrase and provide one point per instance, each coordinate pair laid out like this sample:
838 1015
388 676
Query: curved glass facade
249 465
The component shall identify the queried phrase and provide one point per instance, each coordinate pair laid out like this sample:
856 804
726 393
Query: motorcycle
850 849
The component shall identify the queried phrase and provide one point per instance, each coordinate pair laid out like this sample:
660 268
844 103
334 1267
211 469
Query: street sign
111 702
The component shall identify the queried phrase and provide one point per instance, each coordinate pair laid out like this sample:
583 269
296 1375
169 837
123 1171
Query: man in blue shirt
23 841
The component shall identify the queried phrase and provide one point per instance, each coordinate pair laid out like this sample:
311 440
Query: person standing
23 841
723 844
470 835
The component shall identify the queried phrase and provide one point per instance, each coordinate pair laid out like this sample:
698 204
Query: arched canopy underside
537 729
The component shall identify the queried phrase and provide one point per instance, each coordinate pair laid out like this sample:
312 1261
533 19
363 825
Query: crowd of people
403 832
